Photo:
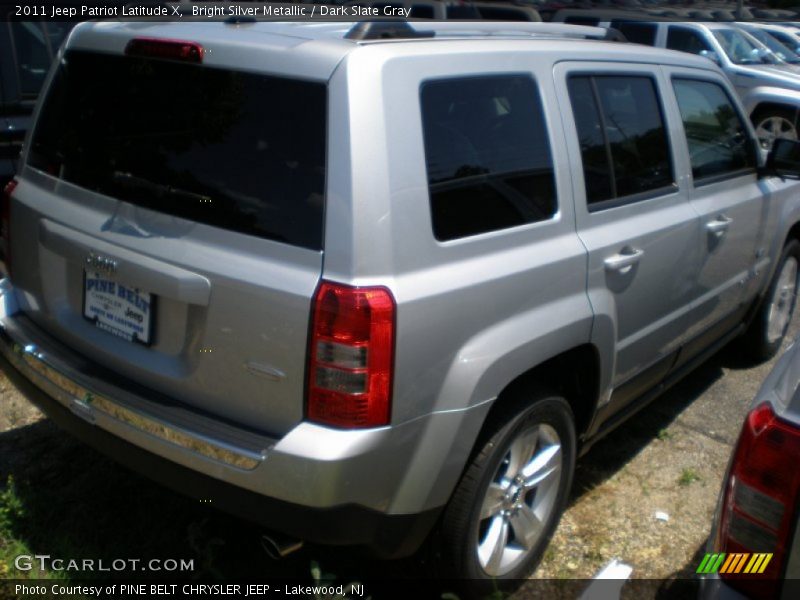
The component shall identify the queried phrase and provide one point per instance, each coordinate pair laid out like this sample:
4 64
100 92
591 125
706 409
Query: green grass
688 476
664 435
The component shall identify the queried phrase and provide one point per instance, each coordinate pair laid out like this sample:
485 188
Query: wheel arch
768 106
574 374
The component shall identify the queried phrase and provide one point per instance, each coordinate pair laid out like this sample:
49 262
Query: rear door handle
624 260
719 225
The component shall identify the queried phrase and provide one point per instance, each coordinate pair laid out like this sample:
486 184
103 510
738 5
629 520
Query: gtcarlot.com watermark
45 562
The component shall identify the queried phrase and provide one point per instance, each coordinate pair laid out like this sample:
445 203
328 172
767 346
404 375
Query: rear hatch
169 223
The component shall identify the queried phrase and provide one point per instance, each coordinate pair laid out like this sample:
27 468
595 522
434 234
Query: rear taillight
5 224
351 356
758 509
168 49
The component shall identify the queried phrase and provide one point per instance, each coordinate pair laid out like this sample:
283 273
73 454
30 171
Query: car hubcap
782 303
520 500
775 127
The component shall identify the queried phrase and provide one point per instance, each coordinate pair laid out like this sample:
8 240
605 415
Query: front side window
622 136
684 39
717 138
487 154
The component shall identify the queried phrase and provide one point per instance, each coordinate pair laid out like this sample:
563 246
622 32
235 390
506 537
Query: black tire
762 117
462 528
758 343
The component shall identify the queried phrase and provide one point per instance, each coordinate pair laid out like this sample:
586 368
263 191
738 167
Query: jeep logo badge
101 264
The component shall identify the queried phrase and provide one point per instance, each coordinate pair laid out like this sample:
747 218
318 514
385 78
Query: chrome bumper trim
88 404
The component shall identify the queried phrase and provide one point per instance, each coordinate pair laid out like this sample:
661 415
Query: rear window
234 150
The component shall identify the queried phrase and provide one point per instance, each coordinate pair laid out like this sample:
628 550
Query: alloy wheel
519 500
771 128
782 301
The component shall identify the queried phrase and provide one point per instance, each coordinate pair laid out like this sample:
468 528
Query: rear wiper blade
161 189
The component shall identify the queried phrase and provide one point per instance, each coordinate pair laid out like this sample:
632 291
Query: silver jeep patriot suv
362 283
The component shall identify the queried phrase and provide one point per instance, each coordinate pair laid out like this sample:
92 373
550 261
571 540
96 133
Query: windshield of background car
235 150
740 50
790 41
780 50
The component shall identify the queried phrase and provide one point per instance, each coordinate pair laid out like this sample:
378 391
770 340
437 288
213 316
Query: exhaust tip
279 546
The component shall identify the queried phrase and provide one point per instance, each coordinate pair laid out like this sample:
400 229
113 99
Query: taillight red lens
761 494
167 49
5 224
351 356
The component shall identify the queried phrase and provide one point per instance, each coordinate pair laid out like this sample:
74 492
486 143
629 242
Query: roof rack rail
384 29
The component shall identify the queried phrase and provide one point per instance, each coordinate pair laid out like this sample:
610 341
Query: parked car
361 291
756 522
639 28
788 36
769 90
424 9
767 39
26 51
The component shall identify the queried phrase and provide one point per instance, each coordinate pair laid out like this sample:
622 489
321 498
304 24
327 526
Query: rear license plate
117 308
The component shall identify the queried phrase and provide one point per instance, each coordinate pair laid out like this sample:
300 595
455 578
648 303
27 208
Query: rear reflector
760 501
5 222
168 49
351 356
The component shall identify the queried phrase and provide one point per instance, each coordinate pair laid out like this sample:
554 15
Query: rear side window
234 150
623 140
686 40
487 154
582 20
718 140
638 33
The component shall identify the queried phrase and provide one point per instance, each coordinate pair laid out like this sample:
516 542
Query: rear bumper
372 487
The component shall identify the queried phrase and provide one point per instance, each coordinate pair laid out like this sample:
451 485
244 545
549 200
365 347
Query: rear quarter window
487 154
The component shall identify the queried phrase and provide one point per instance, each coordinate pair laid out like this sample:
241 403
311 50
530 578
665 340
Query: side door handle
624 260
719 226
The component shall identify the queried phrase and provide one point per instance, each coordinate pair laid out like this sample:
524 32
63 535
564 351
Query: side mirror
710 55
784 159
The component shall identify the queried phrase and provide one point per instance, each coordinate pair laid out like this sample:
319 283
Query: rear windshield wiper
160 189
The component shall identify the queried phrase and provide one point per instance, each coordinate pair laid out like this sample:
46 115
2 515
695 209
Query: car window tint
235 150
32 54
624 144
638 33
487 154
582 20
686 40
717 138
596 164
